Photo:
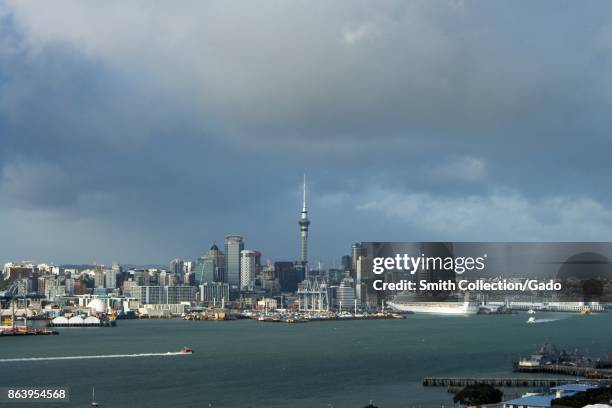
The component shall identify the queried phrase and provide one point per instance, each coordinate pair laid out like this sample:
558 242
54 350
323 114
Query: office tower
247 269
188 266
176 267
346 263
205 270
233 246
219 263
289 275
116 267
98 278
110 279
269 280
304 222
356 252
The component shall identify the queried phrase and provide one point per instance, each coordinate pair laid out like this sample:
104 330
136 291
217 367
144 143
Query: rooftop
532 401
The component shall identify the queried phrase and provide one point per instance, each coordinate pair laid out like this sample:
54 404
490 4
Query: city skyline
417 121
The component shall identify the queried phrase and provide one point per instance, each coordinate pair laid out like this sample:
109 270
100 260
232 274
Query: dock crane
16 290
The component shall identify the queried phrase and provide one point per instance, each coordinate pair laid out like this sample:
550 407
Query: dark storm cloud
140 132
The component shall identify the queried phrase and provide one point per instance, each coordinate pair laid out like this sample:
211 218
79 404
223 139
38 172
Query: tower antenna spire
304 222
304 206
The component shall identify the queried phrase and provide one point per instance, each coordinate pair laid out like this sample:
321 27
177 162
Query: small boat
532 319
94 404
585 312
531 311
187 350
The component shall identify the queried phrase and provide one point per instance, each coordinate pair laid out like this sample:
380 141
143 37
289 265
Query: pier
505 382
577 371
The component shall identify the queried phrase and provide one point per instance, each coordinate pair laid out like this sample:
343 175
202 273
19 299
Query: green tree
478 394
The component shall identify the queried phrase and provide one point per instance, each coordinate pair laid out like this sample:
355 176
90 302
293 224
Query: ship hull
435 308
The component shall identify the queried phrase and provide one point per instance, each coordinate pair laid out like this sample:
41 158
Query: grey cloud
165 127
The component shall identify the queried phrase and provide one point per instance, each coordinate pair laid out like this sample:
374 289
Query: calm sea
326 364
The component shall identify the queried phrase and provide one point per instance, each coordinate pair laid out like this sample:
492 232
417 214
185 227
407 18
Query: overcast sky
143 131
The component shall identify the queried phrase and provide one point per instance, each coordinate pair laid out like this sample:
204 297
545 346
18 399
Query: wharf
587 372
505 382
30 332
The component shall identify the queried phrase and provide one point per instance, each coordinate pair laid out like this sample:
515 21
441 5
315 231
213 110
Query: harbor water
342 364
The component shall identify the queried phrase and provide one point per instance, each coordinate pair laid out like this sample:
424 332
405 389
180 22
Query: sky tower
304 223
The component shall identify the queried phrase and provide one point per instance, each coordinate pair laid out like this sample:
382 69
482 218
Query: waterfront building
234 245
110 302
247 270
164 294
149 294
177 294
345 295
214 293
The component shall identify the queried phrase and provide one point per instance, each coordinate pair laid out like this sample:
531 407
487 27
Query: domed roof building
97 305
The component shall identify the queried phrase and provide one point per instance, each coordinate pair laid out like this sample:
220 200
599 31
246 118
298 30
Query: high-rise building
219 259
304 223
98 278
177 266
110 279
205 270
289 275
346 263
247 269
345 295
356 252
234 244
187 266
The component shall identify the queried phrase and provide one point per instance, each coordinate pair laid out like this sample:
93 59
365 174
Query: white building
345 295
110 279
247 269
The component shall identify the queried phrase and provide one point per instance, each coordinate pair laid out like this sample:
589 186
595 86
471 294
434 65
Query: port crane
17 290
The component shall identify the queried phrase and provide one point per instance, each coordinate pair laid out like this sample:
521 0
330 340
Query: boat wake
545 320
170 353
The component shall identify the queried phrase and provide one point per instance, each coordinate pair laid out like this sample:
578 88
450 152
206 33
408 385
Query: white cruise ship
441 308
